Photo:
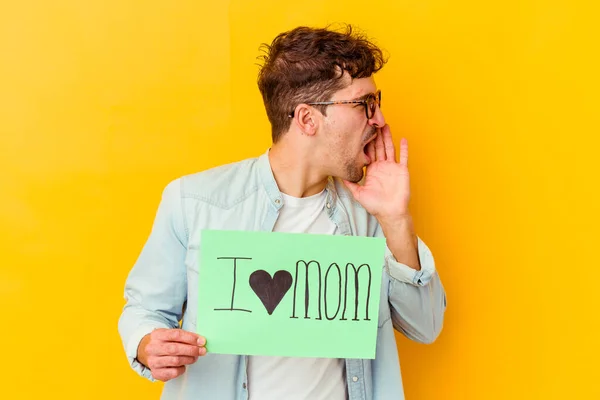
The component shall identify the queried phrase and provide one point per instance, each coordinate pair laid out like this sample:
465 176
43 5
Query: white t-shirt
291 378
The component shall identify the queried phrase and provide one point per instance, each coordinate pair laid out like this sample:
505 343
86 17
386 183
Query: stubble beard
353 171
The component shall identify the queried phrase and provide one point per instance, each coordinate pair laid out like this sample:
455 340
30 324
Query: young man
327 125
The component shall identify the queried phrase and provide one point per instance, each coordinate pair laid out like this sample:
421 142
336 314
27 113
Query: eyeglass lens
372 103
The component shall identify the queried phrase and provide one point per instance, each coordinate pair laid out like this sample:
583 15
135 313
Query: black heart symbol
270 290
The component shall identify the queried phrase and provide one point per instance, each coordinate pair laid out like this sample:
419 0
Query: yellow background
103 102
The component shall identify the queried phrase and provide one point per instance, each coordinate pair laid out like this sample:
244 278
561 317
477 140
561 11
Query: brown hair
307 64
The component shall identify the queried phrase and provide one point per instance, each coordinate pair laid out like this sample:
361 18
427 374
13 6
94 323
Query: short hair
307 64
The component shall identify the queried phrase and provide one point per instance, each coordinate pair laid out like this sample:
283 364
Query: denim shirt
161 289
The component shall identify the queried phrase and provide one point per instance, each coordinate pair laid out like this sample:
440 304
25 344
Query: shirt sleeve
156 287
417 298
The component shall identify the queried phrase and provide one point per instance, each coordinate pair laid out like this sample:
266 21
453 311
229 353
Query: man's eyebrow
363 97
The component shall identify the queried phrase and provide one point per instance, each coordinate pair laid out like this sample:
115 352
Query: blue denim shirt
161 289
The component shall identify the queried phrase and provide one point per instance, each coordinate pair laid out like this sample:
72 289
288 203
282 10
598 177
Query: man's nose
377 119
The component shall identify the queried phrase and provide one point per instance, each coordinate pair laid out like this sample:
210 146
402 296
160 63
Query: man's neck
293 172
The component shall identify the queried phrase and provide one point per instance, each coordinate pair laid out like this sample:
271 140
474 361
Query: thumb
353 187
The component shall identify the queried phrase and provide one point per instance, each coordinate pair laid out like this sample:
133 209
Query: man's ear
307 119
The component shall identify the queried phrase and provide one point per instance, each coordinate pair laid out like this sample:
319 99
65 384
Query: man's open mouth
369 141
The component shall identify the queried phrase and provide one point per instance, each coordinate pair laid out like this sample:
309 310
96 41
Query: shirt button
355 379
277 201
328 205
244 385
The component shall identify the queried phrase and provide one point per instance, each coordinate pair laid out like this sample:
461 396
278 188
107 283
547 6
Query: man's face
346 132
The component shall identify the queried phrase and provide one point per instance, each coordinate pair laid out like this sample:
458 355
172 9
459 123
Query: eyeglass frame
365 102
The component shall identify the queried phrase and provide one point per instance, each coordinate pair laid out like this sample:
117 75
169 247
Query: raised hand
386 190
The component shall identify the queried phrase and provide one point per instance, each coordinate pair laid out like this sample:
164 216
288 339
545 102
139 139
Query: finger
178 335
404 152
379 147
170 361
166 374
390 151
174 349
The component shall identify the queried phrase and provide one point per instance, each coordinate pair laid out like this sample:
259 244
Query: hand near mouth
385 192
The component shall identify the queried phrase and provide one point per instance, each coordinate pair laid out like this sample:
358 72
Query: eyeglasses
370 102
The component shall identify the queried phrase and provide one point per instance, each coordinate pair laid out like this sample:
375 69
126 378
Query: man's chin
356 176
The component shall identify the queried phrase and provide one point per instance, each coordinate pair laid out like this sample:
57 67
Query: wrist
401 239
395 222
142 357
